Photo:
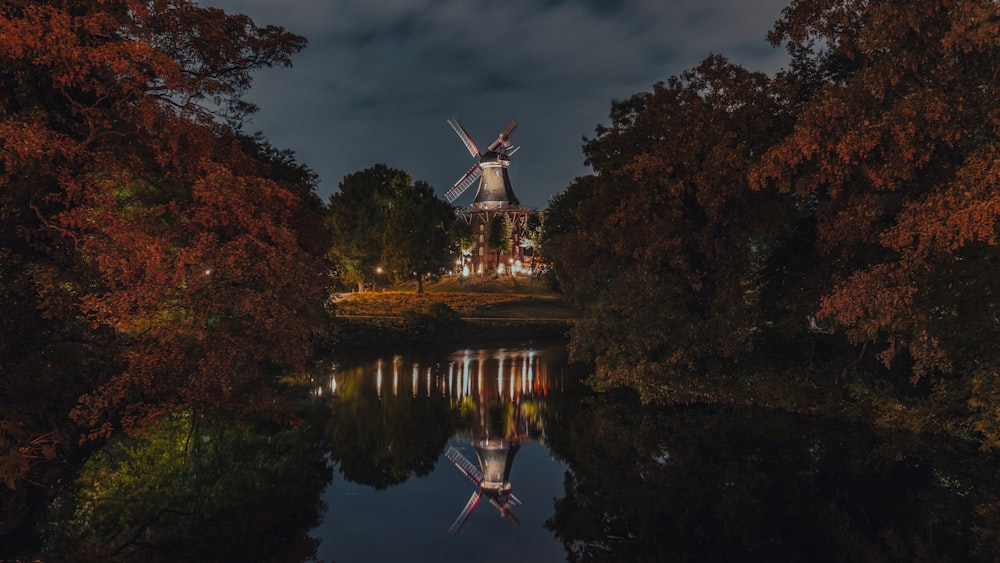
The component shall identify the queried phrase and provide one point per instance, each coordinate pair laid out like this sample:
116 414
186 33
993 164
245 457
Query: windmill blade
464 135
463 463
505 511
466 512
504 137
460 186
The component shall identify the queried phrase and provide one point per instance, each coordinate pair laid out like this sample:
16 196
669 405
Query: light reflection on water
492 402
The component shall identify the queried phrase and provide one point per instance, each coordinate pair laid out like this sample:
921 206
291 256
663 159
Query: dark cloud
380 77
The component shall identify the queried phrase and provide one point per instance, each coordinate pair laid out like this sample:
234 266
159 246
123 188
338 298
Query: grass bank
451 312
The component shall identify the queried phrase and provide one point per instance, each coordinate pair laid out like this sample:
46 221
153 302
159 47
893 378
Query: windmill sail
464 135
463 463
460 186
466 512
503 140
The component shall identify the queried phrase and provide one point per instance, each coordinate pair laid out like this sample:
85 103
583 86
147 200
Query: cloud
380 77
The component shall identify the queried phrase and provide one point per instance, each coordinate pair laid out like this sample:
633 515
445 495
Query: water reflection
188 490
491 399
602 478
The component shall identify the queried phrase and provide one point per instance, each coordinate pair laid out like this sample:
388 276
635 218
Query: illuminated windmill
494 197
495 460
494 186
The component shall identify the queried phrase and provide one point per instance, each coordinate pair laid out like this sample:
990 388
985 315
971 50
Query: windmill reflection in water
500 394
501 421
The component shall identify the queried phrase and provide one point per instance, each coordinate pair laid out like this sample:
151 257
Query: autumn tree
415 240
665 246
559 230
138 211
897 152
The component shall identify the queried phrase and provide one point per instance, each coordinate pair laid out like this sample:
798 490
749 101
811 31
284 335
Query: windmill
494 187
495 459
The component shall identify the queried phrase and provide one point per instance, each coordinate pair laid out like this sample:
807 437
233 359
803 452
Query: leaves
178 257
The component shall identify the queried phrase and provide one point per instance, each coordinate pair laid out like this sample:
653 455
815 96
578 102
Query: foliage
462 238
415 240
896 153
498 234
159 259
357 217
187 490
849 200
665 247
380 218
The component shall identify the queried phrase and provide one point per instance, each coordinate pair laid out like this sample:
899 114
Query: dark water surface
403 446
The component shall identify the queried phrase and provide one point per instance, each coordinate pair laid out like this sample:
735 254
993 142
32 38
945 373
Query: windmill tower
492 478
495 196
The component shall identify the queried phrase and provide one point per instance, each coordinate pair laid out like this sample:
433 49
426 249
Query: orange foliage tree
141 219
897 153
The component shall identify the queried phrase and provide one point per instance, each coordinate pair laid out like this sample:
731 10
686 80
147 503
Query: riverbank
451 312
499 312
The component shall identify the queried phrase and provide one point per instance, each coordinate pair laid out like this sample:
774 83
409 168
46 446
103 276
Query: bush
437 320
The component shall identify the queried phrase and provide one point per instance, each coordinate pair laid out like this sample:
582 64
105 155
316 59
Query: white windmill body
494 196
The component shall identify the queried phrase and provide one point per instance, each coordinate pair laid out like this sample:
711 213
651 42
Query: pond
502 454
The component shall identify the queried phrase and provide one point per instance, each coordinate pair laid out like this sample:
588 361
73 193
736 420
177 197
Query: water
388 462
422 408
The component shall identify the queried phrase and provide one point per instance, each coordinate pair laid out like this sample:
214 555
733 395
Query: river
502 454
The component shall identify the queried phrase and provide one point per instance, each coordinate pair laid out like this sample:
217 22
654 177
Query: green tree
415 240
463 240
498 235
357 217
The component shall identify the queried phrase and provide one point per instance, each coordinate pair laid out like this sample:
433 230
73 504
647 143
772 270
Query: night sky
380 78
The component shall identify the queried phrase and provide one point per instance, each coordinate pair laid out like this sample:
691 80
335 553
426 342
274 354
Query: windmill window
481 250
481 238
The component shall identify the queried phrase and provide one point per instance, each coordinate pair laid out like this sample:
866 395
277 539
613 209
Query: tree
896 150
358 214
560 228
463 240
498 235
665 247
415 240
140 215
